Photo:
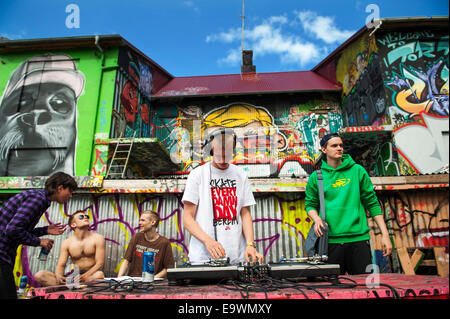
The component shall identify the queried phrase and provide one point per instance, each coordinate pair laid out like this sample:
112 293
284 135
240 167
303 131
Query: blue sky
202 37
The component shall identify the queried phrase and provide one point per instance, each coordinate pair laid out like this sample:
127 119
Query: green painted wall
36 105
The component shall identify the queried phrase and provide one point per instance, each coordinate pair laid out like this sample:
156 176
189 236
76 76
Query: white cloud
233 57
323 28
268 38
285 38
13 36
278 19
191 4
226 37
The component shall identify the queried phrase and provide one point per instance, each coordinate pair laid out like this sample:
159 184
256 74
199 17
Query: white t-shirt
231 191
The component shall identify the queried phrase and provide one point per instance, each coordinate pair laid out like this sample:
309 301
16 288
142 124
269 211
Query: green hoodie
348 190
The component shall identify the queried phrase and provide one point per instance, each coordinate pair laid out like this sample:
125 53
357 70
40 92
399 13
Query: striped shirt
18 217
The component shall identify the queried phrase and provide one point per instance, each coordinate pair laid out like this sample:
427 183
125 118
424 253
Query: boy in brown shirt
147 240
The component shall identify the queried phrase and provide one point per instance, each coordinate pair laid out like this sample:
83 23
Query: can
23 284
43 254
148 269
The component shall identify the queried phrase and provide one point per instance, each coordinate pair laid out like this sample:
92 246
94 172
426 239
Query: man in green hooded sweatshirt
348 193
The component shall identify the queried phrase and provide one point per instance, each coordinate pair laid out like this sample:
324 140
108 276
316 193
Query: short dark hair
60 179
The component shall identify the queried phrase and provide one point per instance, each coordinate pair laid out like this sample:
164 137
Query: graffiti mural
281 225
309 127
386 160
363 94
38 117
415 91
269 143
171 126
258 139
431 133
366 101
28 182
134 84
416 72
414 219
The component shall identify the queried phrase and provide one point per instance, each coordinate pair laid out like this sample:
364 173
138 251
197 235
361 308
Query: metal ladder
122 152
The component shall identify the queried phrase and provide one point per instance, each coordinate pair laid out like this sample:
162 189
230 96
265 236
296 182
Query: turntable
303 267
207 271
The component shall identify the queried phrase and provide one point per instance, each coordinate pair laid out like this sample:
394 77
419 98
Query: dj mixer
216 270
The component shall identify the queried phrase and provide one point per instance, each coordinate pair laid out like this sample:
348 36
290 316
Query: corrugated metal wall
116 216
414 218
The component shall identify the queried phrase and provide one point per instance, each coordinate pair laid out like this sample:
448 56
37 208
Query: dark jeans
7 284
353 258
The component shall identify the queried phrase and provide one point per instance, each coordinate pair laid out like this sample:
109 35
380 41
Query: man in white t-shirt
217 201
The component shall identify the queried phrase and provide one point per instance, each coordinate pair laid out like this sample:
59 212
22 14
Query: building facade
68 104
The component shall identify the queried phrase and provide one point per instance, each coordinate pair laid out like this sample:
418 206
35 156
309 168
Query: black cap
327 137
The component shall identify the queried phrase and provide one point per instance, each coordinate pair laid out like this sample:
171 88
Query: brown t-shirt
135 254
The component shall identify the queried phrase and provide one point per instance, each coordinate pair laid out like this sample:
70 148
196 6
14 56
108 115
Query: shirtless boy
86 250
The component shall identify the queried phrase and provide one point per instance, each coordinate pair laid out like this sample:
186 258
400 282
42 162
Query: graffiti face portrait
258 139
129 99
38 117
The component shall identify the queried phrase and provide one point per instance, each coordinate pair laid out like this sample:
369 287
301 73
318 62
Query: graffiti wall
38 107
414 219
272 140
416 77
47 103
281 225
358 70
133 89
417 218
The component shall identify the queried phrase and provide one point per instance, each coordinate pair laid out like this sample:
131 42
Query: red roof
246 83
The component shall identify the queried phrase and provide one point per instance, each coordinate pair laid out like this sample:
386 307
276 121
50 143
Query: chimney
247 62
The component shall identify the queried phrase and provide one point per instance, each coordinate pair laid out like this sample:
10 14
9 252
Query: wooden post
405 261
416 259
441 261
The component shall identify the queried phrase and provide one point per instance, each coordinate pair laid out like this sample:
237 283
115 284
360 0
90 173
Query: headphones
207 148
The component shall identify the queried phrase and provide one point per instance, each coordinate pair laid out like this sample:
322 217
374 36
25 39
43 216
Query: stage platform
351 287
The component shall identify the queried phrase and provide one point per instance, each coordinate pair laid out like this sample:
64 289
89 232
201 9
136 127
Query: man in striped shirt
18 218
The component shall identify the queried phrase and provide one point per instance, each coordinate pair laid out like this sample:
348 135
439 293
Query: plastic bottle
73 280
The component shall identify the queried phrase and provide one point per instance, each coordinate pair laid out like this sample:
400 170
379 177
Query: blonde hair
152 214
239 115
